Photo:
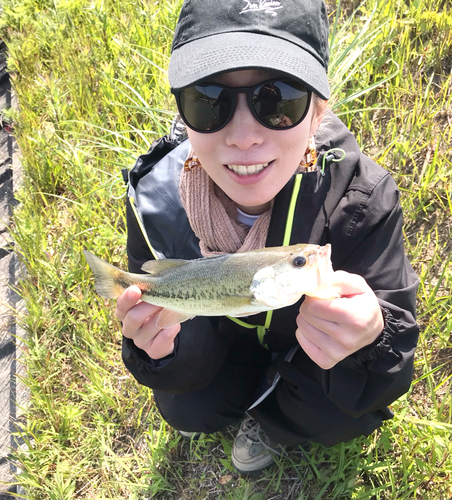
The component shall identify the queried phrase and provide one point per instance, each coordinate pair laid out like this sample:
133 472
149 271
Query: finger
126 301
349 284
314 352
327 344
352 312
144 336
156 342
320 313
357 325
163 343
340 326
137 317
345 326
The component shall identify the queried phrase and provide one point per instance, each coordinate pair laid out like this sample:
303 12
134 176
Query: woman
264 165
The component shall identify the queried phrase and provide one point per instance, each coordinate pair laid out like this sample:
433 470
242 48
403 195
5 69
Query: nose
243 131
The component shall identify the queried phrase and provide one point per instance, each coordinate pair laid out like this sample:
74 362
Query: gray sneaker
189 435
253 450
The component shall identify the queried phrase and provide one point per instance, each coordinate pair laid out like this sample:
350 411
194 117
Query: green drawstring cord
262 329
331 157
115 181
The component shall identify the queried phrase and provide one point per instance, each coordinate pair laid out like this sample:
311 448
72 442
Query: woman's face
267 158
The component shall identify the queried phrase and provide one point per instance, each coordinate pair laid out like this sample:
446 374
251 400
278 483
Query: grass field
90 79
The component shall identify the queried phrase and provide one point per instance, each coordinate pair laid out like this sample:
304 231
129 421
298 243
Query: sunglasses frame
248 91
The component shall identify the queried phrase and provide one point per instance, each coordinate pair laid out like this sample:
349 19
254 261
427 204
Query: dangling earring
192 161
308 163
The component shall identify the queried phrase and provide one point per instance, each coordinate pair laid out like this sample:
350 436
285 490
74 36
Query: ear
317 117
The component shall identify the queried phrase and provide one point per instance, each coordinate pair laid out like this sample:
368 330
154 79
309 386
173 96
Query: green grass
93 95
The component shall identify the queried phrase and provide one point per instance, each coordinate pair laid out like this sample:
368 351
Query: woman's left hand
329 330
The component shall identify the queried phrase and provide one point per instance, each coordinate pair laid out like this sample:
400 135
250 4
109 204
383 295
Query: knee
324 422
196 412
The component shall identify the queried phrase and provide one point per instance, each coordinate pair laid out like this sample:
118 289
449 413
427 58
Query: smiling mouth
248 169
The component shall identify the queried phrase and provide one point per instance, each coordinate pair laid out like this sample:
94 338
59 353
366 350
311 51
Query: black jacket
354 206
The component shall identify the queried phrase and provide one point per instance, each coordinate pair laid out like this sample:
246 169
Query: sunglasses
277 104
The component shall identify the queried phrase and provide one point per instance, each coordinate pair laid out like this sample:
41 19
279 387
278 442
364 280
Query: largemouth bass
235 285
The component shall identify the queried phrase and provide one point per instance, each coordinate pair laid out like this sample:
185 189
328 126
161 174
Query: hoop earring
309 160
192 161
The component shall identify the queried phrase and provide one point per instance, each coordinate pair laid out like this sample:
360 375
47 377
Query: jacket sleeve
377 375
200 349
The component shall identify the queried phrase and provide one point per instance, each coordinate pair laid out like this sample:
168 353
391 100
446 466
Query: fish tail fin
110 281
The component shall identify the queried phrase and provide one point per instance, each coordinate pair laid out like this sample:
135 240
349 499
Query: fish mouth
325 269
248 169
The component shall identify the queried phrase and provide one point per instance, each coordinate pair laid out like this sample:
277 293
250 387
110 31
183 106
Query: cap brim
222 52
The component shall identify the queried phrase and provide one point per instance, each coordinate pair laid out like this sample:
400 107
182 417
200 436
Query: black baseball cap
215 36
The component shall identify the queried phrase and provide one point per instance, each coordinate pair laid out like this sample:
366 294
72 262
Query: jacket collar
317 199
320 194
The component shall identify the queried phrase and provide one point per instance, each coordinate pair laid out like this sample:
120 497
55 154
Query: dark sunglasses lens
205 107
281 104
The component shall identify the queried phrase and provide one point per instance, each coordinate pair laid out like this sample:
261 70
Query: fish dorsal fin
161 266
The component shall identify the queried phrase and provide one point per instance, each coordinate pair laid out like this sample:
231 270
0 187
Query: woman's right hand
139 324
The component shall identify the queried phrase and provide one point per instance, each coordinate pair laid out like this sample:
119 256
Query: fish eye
299 261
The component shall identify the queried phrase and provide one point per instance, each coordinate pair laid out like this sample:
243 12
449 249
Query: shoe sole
189 438
253 472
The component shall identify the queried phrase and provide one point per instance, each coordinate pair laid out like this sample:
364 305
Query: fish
236 285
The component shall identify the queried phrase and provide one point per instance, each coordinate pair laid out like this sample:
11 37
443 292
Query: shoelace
252 430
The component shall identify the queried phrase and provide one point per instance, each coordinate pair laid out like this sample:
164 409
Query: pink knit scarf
213 216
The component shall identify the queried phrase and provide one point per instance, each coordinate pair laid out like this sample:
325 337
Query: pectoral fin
169 318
